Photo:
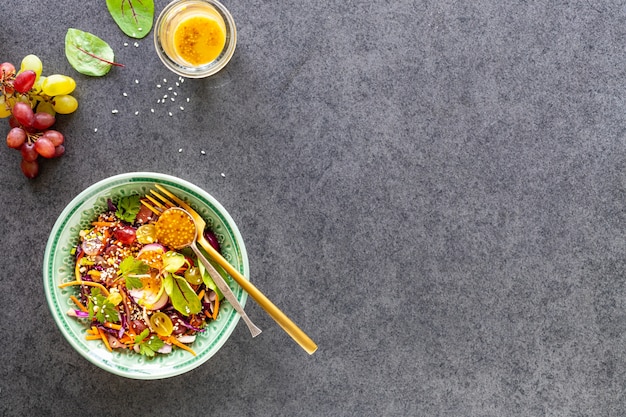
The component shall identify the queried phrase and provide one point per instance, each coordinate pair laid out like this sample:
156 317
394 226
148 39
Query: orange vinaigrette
200 39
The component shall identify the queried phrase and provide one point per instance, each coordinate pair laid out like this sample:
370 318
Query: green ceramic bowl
58 267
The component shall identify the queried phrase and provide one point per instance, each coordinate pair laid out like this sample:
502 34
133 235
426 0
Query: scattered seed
136 113
96 129
139 29
187 99
175 93
114 111
180 150
169 113
125 43
125 95
177 84
203 153
165 96
136 81
170 89
152 110
136 44
158 85
182 108
172 99
164 80
223 175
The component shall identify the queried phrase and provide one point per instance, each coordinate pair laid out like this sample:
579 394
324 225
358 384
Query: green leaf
129 268
128 207
206 278
173 261
87 53
101 308
183 297
148 346
134 17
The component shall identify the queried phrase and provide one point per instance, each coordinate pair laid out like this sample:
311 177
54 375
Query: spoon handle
223 286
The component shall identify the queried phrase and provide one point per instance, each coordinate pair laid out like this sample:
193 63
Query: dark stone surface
433 190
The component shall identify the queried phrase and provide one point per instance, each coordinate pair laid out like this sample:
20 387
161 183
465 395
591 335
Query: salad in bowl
125 300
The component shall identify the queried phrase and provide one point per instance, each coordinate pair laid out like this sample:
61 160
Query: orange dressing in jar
199 39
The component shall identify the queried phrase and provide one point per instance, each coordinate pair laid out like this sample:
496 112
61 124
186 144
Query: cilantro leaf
148 344
101 308
129 267
127 208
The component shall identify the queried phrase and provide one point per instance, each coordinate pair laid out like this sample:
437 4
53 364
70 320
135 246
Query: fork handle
283 321
223 286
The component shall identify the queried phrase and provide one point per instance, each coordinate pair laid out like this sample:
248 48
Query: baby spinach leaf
87 53
182 296
134 17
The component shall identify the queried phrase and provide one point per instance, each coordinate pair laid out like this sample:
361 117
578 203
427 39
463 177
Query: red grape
24 81
28 152
45 148
13 122
30 168
59 150
55 137
23 114
7 70
43 120
16 138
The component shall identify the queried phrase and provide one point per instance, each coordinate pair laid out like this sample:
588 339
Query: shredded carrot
93 337
103 224
113 326
89 283
77 270
175 341
105 340
79 304
94 330
216 307
201 294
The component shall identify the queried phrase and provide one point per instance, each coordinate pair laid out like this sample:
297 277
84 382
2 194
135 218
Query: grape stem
99 58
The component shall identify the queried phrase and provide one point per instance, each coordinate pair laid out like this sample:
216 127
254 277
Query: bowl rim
53 299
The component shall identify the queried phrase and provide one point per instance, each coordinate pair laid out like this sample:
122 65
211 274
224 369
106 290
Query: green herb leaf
129 268
87 53
134 17
101 308
128 207
148 346
173 261
183 297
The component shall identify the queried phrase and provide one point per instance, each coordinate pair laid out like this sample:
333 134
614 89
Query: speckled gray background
433 190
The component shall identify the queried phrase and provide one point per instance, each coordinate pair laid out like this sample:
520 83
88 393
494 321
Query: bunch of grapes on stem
31 101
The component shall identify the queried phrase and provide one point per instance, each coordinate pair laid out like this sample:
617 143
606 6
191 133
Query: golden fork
171 200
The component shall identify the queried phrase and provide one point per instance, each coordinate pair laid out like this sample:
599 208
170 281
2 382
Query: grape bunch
31 101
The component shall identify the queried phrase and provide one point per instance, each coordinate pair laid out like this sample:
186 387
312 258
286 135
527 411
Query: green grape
38 84
58 85
64 104
32 62
5 110
46 107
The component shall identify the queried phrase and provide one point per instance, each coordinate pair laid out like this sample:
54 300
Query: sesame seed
96 129
114 111
152 110
169 113
203 153
136 113
136 44
182 108
177 84
175 93
139 29
125 43
158 85
164 80
170 89
136 81
187 99
165 96
125 95
223 175
180 150
172 99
